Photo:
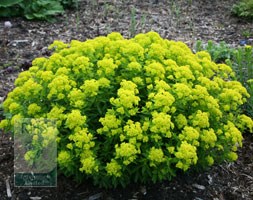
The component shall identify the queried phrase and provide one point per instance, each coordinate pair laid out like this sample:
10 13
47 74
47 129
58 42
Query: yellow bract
187 155
156 156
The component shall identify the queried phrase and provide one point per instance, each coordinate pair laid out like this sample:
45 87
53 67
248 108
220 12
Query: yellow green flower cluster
127 100
187 155
132 109
156 156
127 152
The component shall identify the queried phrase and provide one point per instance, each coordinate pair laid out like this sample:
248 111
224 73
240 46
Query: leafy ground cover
187 21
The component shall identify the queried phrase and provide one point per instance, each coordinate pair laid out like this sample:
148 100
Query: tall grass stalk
176 10
143 21
133 22
77 16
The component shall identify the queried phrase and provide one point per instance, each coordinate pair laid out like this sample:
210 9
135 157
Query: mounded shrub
137 109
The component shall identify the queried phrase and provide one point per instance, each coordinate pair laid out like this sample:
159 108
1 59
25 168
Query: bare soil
183 20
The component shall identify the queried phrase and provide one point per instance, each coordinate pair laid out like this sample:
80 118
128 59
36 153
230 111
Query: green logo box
35 152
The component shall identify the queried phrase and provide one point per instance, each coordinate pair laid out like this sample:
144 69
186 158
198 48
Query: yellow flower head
75 119
113 168
156 156
186 155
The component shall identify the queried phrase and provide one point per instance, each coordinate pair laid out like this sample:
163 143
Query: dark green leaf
9 12
7 3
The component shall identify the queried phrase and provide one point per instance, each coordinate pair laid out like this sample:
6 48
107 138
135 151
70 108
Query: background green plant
243 9
138 109
35 9
10 8
241 61
219 52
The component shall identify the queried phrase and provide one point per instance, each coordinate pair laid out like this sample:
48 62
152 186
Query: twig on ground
8 188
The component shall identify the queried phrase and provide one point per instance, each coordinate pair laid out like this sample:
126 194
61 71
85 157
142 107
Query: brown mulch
182 20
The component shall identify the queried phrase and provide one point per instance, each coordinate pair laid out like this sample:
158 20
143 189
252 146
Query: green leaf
9 12
8 115
43 10
7 3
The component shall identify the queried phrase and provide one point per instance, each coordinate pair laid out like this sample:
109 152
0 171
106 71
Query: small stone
96 196
200 187
210 179
35 198
7 24
143 190
197 198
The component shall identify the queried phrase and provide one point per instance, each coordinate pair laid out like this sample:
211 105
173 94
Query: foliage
69 3
41 9
243 9
38 9
132 28
241 61
9 8
219 52
6 3
132 110
1 111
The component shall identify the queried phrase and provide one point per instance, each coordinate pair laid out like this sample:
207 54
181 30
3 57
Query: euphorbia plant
137 109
